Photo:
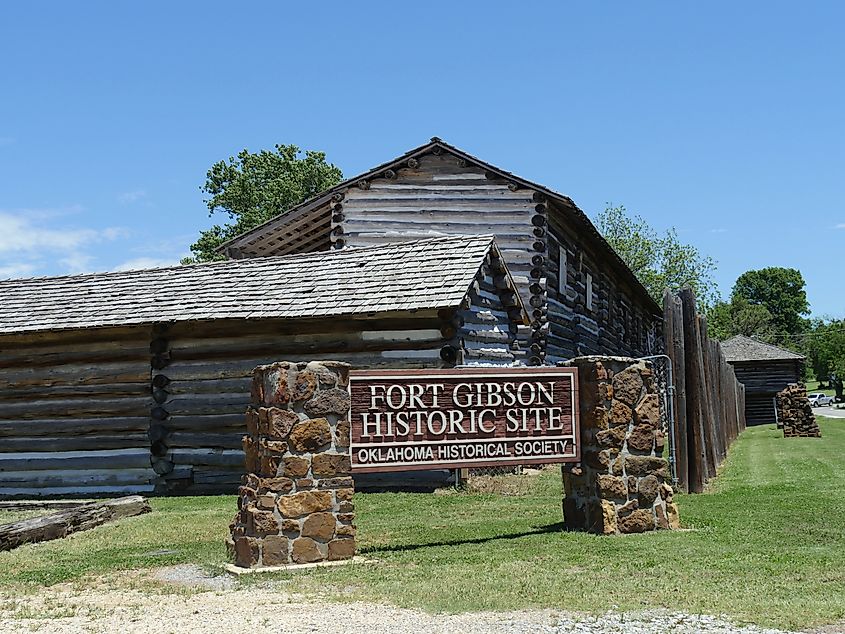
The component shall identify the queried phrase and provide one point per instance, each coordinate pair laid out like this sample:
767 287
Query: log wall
74 413
161 409
591 311
763 380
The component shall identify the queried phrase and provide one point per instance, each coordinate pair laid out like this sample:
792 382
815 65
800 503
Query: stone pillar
295 505
623 483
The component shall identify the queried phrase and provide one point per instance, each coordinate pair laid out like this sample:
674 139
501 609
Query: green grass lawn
767 545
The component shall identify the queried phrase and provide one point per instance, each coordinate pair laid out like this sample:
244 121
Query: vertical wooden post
673 329
694 392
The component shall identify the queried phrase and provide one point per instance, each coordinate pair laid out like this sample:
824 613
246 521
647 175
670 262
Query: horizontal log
74 442
211 457
75 374
72 426
63 523
75 491
76 477
102 391
200 440
113 459
74 408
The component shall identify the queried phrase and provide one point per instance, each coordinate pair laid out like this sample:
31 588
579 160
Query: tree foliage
658 261
255 187
781 291
739 317
824 346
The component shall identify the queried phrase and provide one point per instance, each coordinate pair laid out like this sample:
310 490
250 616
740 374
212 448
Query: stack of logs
795 414
295 505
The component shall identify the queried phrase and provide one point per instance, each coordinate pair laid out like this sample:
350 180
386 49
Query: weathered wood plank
63 523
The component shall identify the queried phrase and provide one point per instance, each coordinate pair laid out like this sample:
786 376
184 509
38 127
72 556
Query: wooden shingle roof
423 274
742 348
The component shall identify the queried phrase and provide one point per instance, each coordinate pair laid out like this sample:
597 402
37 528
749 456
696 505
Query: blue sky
722 119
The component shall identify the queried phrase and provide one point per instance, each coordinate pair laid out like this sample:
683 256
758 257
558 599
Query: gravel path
218 608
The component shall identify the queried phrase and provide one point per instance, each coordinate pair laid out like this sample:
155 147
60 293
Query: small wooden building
582 297
137 382
765 370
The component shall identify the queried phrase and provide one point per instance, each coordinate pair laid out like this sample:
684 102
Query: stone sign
404 420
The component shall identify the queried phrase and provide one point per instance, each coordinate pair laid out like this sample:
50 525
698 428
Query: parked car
818 399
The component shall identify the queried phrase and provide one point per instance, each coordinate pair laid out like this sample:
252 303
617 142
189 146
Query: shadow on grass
539 530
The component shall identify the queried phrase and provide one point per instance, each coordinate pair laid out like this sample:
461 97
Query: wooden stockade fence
709 401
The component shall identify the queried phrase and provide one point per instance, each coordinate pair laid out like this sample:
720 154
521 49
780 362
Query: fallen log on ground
63 523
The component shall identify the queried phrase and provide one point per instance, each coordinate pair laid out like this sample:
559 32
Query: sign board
405 420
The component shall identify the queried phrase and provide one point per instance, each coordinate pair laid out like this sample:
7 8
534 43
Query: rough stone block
341 549
305 551
331 401
600 459
319 526
639 521
614 437
246 552
274 551
275 485
290 526
274 447
276 422
345 530
269 465
251 422
660 515
620 413
296 466
612 487
304 385
648 411
674 518
310 435
608 517
262 522
647 465
345 494
345 507
304 483
331 464
628 385
335 483
648 489
642 438
342 433
305 503
250 448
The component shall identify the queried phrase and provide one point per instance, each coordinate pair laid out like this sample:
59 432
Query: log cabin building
583 299
765 370
137 382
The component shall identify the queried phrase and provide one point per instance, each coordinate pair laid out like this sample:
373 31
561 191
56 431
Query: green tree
824 346
781 291
739 317
658 261
255 187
